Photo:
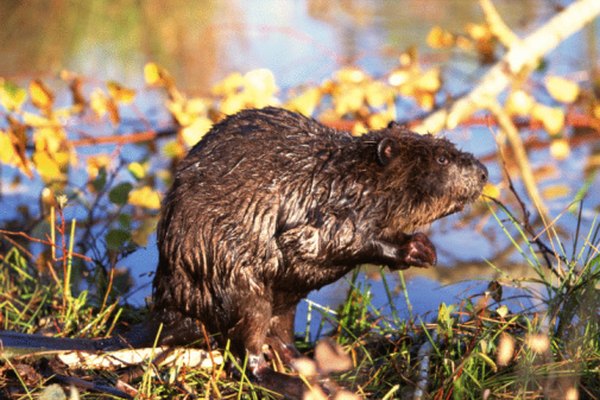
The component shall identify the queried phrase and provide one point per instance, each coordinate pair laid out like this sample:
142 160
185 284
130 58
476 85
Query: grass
478 348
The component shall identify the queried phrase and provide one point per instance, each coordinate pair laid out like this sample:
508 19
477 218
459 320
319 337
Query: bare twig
497 25
516 143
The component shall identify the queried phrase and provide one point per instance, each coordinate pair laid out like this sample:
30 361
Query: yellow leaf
502 311
156 75
439 38
552 118
560 149
145 197
556 191
49 139
491 190
230 85
177 109
41 96
7 152
232 104
306 102
259 88
596 111
95 163
478 31
379 120
399 77
120 93
261 80
429 81
174 149
350 75
562 89
349 99
46 166
196 131
151 74
519 103
198 106
98 102
409 57
377 94
425 99
359 129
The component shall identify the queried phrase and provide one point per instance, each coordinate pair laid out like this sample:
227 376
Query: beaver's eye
442 160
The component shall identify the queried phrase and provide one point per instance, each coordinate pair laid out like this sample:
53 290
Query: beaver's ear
387 148
394 125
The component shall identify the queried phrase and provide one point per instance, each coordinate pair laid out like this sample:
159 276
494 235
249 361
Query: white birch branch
523 53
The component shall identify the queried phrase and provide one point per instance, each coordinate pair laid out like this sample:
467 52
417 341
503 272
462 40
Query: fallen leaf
331 357
505 350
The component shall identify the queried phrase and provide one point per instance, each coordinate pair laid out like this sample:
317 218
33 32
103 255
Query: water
301 42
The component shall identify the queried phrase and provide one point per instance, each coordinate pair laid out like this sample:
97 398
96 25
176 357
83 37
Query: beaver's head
435 178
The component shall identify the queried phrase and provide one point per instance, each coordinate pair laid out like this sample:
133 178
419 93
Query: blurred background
301 43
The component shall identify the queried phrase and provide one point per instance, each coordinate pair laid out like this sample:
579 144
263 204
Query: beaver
271 205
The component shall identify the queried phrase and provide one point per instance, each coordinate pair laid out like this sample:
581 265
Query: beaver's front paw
419 251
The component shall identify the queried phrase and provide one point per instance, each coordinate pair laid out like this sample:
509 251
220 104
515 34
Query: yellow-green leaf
137 170
142 233
12 96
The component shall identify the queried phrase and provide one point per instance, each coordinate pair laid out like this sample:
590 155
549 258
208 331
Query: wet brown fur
271 205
